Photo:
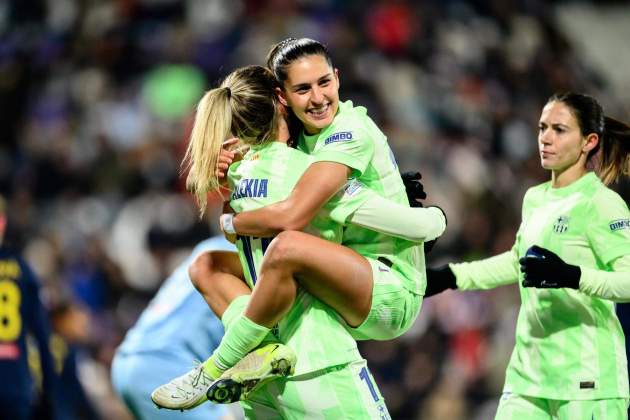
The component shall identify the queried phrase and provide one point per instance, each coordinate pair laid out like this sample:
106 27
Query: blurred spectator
623 312
70 332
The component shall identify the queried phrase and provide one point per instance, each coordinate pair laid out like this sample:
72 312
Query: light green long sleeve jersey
569 343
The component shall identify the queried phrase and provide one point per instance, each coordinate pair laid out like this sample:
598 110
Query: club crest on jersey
337 137
250 188
619 224
561 224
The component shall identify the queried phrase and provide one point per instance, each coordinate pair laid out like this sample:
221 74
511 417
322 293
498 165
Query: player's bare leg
218 275
336 275
333 273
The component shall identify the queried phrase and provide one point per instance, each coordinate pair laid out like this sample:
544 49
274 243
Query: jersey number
10 319
364 375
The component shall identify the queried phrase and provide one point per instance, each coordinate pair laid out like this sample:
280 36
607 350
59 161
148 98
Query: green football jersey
569 346
267 174
355 141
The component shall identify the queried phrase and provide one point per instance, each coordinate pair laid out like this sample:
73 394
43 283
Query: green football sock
234 310
211 368
242 337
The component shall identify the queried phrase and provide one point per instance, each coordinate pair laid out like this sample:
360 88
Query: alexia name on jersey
250 188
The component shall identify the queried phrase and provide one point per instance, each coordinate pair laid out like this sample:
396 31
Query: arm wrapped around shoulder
413 224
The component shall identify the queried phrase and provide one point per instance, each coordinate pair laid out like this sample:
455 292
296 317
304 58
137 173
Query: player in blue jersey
21 314
176 328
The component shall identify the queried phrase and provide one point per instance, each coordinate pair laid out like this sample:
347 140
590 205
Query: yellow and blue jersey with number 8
21 313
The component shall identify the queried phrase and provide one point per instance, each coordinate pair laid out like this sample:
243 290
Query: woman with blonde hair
246 105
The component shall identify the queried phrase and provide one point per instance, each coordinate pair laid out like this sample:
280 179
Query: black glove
544 269
414 188
439 279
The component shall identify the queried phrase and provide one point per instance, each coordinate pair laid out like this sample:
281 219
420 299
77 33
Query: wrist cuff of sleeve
442 212
574 276
227 223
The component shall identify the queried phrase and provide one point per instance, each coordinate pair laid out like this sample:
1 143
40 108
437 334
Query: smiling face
563 148
311 90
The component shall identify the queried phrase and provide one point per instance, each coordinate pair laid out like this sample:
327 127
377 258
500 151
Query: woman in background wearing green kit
572 258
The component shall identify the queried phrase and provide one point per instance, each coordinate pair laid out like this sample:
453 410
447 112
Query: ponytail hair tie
229 92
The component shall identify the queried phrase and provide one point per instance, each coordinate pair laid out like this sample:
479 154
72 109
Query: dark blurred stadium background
96 97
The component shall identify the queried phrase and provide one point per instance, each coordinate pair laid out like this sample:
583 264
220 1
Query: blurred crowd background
97 97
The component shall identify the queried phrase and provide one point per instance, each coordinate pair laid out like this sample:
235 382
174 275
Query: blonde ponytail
212 127
245 107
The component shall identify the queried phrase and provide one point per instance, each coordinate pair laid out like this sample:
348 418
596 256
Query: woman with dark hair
246 105
573 251
376 282
345 143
